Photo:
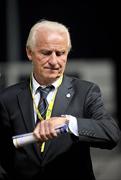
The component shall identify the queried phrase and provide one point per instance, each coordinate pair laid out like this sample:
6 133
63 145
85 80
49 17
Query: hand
45 129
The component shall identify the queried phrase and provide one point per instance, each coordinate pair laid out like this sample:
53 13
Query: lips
52 69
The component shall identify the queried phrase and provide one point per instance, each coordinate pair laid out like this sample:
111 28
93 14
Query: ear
29 53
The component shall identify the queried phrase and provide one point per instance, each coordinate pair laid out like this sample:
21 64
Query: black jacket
67 156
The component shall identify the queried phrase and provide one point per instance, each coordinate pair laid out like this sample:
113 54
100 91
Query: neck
44 82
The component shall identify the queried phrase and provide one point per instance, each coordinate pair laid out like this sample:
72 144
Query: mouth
52 69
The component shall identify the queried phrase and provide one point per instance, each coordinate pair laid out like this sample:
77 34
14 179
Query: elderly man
48 100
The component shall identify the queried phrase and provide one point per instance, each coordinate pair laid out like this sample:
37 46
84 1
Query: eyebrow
49 52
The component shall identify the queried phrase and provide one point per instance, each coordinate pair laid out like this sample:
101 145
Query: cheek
63 62
40 61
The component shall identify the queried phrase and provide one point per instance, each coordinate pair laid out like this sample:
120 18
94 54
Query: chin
52 77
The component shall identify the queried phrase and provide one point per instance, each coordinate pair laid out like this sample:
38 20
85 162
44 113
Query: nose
53 59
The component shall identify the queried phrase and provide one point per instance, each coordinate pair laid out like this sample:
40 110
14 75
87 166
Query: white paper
24 139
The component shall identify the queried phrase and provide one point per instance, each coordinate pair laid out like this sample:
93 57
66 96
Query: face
49 56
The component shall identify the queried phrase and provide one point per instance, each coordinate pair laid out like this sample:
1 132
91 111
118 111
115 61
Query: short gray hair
49 25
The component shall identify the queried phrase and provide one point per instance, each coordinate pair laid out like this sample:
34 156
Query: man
70 101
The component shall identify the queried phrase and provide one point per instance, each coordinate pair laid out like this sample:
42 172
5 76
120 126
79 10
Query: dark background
94 28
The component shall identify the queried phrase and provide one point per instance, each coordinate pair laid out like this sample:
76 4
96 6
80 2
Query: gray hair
52 25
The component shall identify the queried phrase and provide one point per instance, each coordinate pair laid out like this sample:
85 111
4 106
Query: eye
46 52
49 52
60 53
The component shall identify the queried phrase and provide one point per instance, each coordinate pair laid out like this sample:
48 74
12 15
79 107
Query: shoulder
82 86
79 82
13 90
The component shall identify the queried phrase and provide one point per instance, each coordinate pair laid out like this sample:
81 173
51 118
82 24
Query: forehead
51 38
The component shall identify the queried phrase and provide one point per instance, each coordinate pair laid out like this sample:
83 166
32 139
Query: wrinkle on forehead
52 39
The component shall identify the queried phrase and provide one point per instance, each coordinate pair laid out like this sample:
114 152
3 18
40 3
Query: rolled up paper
27 138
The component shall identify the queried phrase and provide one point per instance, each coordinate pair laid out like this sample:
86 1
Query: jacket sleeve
97 128
6 146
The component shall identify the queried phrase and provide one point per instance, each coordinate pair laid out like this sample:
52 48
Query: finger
42 130
36 132
52 130
47 130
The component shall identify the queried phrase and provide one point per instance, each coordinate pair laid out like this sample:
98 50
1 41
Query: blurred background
94 29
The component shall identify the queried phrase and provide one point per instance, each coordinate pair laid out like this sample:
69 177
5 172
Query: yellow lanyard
49 109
